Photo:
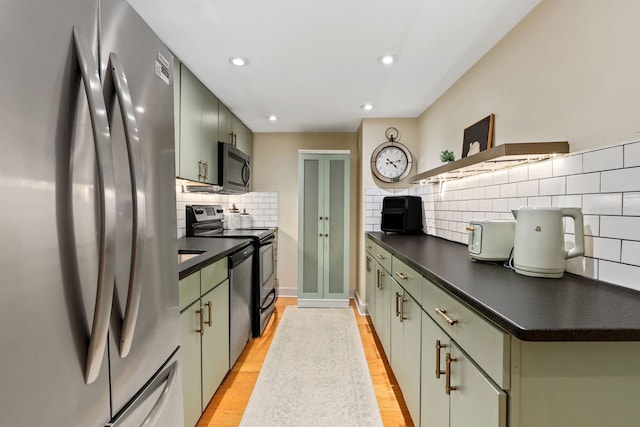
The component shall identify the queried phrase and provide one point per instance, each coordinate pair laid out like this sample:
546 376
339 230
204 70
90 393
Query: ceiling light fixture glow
367 107
272 118
239 61
388 59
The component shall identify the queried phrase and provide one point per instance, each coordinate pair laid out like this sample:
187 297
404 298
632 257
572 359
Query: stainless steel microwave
234 169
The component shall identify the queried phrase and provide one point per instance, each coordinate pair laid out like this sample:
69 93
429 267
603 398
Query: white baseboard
360 305
323 303
287 292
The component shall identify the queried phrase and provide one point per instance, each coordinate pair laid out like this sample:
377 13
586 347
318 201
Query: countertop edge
513 328
214 250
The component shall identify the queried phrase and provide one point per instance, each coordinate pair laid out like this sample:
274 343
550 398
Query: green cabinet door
215 341
434 400
382 310
225 124
370 280
405 346
191 351
198 146
323 233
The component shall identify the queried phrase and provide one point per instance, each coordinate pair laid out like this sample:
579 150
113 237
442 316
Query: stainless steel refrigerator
89 316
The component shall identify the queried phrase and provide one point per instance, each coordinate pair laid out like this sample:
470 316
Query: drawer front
408 278
485 343
383 257
189 290
213 274
369 246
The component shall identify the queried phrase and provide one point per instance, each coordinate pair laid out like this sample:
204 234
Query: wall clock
391 161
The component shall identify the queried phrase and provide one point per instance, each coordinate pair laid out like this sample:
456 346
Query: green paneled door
323 230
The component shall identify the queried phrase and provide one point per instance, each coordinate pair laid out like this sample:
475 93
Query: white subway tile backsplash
630 252
600 160
632 155
517 202
509 190
591 225
584 183
553 186
608 249
574 201
620 227
621 180
602 204
500 177
528 188
619 274
539 201
520 173
541 170
569 165
631 204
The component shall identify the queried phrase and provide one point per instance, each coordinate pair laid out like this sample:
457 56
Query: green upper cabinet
243 137
233 131
198 143
225 124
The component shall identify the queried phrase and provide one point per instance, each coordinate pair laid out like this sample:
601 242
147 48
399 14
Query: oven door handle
268 241
271 292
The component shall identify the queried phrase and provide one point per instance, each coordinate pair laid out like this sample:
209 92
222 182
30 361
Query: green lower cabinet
382 308
215 341
204 327
406 325
470 399
370 284
191 351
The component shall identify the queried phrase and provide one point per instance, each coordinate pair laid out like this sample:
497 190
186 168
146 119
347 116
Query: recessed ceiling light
239 61
272 118
388 59
367 107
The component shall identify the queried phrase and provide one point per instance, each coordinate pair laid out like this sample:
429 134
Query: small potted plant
447 156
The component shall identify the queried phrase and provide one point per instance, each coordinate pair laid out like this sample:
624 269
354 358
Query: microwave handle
246 173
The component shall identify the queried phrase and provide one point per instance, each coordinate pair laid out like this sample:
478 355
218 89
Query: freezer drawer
159 403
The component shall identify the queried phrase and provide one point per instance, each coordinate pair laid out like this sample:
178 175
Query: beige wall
276 169
569 72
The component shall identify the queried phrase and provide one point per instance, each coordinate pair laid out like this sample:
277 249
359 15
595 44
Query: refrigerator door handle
116 79
107 206
155 412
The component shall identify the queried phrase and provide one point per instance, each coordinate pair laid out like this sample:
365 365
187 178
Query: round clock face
391 162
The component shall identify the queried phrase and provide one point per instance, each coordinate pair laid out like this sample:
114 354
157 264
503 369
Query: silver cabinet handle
205 166
116 80
200 171
443 314
107 206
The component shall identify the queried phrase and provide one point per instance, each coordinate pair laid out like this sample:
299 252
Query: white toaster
491 240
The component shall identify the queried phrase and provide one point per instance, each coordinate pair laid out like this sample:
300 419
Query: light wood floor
228 404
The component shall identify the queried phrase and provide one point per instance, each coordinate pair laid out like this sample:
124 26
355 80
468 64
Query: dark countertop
573 308
214 249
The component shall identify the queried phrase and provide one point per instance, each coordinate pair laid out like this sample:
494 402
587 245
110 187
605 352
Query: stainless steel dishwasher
240 280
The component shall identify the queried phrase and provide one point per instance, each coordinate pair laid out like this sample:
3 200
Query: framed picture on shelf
478 137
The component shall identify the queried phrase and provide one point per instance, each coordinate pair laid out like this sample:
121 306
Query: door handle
439 346
107 207
116 79
443 314
449 360
397 309
152 418
200 313
209 306
403 300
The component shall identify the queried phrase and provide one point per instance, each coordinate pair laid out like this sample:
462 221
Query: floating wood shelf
496 158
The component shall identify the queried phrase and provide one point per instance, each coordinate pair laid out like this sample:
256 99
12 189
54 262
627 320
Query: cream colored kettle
539 246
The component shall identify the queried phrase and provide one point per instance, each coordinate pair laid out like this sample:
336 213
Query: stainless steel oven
206 221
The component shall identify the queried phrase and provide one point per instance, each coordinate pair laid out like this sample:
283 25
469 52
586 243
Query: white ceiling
313 63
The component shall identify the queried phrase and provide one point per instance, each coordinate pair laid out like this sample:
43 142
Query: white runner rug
315 374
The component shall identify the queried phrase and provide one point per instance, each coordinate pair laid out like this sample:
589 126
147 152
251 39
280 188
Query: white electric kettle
539 246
